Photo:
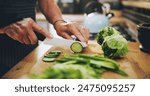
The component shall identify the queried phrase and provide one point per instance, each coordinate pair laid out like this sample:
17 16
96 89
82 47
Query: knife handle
40 36
74 38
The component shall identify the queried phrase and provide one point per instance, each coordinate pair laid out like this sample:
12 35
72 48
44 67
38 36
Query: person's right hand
23 31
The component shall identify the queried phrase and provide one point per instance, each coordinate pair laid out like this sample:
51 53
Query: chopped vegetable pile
80 66
113 44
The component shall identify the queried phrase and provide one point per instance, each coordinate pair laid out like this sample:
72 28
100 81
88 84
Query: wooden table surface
136 63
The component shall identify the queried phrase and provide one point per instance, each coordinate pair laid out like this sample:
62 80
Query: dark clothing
11 51
15 10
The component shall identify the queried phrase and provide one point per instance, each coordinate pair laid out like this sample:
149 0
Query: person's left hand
65 30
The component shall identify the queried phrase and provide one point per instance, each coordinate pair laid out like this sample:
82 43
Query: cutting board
93 48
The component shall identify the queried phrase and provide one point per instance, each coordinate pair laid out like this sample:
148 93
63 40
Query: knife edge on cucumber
76 47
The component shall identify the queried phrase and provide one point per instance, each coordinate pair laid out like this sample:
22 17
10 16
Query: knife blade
61 42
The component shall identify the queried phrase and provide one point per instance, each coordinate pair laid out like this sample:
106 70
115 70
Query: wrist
57 22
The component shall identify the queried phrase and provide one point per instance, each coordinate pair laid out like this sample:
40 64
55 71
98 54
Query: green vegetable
115 46
121 72
103 33
45 59
104 64
77 59
76 47
67 71
97 62
55 52
51 56
80 66
99 58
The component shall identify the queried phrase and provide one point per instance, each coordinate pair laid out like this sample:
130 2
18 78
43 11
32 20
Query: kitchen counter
139 61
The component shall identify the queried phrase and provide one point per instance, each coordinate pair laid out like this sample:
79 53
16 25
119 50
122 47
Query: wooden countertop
139 62
138 4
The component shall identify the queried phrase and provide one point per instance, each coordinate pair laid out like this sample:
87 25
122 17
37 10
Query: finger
76 32
24 32
88 32
32 37
65 35
39 29
84 32
11 35
14 36
19 31
26 40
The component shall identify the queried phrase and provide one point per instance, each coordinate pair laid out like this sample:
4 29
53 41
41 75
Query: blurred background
127 14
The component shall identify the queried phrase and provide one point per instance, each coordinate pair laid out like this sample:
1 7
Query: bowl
144 36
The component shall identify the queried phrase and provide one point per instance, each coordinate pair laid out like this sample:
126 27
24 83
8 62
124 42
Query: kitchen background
128 13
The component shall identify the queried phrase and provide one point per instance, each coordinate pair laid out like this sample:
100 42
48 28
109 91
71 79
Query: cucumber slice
45 59
53 54
76 47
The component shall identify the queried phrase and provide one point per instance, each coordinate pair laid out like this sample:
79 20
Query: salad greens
113 44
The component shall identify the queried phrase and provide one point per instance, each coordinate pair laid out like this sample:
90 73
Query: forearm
50 9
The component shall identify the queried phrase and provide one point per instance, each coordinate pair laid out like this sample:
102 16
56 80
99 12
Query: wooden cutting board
93 48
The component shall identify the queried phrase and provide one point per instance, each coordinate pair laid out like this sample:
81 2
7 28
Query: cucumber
45 59
76 47
53 54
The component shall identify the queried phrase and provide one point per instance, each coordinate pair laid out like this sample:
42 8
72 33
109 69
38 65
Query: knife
61 42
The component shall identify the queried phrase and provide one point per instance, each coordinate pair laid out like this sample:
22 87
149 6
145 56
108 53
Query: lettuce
103 33
115 46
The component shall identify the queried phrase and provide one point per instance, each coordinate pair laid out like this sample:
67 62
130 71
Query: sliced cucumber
55 52
76 47
51 55
45 59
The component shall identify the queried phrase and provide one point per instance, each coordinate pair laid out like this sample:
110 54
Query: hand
71 28
23 31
